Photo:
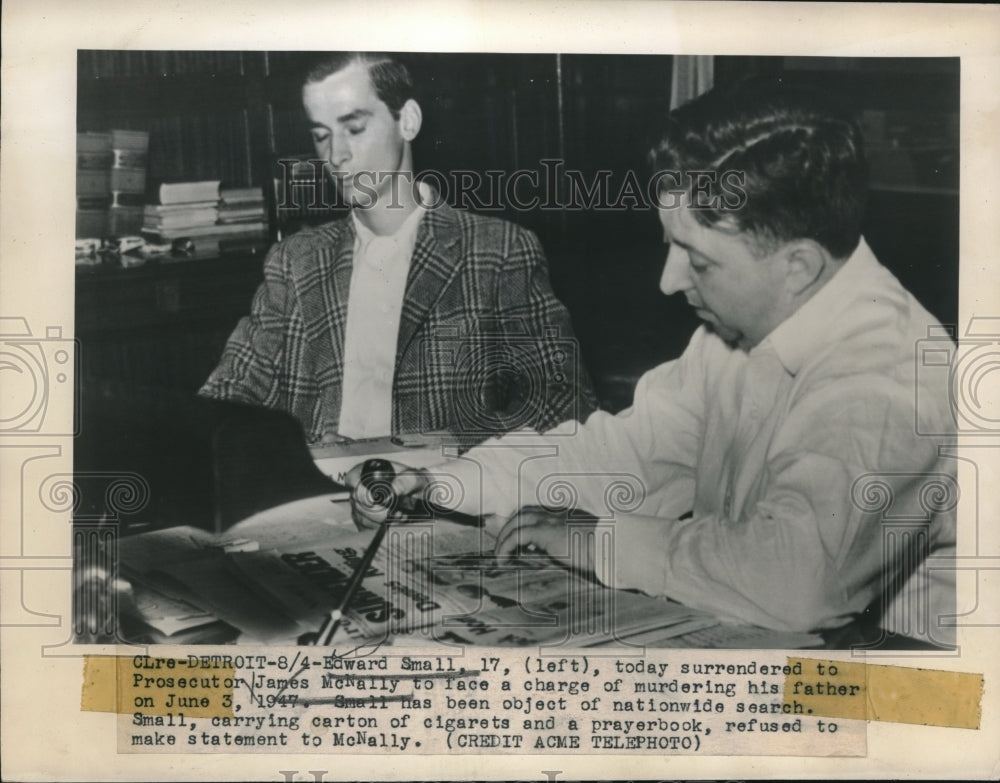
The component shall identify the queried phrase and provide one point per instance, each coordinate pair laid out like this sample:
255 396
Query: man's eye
698 263
354 131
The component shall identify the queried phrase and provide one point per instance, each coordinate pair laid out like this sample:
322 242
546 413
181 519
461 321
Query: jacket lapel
324 284
435 263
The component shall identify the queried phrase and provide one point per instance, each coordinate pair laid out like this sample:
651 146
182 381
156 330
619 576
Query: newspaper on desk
444 650
430 582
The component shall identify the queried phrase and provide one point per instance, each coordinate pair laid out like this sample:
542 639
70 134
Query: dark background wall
231 115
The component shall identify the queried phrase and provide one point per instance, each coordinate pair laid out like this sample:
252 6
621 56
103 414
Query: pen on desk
329 628
376 476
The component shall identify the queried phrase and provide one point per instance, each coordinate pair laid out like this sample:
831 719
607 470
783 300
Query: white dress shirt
760 453
378 283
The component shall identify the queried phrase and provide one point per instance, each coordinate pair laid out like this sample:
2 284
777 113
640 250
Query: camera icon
36 374
969 370
498 379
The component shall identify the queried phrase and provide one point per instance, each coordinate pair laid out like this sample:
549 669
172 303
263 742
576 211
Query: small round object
377 476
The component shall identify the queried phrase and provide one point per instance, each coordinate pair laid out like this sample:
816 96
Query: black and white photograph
555 274
459 395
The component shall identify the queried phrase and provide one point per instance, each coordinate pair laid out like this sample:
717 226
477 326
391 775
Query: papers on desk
168 616
414 451
430 582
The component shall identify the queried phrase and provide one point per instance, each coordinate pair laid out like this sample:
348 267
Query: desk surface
260 579
281 570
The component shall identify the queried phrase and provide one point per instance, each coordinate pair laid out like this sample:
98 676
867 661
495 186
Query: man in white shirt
759 466
409 316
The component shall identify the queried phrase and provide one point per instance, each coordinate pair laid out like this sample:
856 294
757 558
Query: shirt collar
405 235
802 334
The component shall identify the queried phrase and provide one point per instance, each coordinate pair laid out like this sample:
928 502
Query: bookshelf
157 330
201 109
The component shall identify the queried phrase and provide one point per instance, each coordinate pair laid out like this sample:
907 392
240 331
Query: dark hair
390 78
799 160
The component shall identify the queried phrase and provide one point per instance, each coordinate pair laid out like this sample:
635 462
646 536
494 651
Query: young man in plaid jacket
408 316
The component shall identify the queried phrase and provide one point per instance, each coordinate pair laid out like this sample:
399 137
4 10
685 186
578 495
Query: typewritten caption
496 702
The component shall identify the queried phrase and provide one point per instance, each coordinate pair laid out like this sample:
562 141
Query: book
120 198
241 195
93 182
124 220
91 223
167 209
127 158
93 141
136 140
128 179
93 203
214 231
110 182
98 160
181 192
180 218
245 215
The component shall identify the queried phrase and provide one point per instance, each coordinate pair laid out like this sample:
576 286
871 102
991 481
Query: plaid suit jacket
484 346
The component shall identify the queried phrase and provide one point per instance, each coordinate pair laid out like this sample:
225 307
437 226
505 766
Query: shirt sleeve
812 552
251 367
642 459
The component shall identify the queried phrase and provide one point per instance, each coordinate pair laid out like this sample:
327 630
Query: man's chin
359 199
350 196
730 336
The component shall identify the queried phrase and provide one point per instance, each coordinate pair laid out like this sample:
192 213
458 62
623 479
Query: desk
287 508
163 324
278 573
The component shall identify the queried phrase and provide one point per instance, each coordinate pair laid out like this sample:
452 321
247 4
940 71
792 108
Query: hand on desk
368 507
569 540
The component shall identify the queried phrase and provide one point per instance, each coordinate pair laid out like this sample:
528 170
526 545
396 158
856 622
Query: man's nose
676 272
340 151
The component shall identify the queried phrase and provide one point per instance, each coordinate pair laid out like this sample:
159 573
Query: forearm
703 565
803 557
639 461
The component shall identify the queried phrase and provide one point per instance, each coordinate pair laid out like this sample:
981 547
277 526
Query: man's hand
408 486
534 529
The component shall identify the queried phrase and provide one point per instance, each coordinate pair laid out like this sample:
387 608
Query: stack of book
129 149
93 184
195 211
241 206
110 182
181 209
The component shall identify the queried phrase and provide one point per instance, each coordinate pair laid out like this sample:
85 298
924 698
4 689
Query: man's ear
410 119
807 261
